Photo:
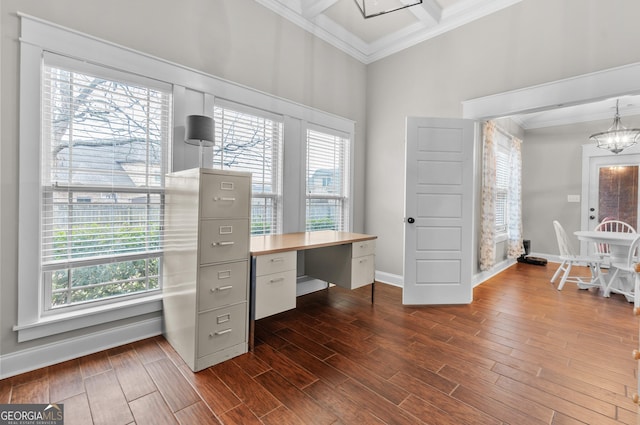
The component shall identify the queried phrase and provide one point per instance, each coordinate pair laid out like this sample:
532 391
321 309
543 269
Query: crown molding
432 22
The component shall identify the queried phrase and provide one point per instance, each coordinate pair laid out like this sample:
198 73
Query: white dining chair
623 279
608 225
569 259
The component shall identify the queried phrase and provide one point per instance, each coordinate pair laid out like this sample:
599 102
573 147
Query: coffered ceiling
340 23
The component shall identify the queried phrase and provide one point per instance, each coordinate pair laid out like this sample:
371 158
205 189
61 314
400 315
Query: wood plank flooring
522 353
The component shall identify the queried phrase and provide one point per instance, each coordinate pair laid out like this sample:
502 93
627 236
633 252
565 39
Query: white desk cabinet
275 283
328 264
206 265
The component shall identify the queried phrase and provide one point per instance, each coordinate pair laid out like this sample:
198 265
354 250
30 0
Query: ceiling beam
429 12
312 8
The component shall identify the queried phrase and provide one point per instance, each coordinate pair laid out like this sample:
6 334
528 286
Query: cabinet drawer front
275 293
224 196
223 240
274 263
362 248
222 284
222 328
362 271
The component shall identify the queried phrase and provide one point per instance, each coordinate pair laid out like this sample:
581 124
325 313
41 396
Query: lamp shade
199 130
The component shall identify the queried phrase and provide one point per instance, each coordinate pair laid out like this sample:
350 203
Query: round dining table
619 243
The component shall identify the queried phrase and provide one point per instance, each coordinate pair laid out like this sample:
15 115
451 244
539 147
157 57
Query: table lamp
199 132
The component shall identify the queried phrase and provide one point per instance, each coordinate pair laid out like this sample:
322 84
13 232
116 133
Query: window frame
39 39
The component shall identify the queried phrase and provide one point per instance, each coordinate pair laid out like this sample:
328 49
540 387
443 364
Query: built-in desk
342 258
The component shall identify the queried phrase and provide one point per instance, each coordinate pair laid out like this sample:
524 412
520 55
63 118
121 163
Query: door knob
411 220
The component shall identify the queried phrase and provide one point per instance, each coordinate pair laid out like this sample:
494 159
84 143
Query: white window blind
251 140
104 156
502 183
327 177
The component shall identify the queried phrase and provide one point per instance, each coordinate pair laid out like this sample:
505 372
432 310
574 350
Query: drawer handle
224 318
363 261
225 243
222 288
277 260
226 331
280 279
224 199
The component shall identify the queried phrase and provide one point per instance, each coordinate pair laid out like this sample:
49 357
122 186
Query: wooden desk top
269 244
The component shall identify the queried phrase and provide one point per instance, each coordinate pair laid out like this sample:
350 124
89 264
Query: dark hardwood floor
522 353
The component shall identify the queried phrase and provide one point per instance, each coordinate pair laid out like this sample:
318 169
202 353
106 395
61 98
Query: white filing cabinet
206 265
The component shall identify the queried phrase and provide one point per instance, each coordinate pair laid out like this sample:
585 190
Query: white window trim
38 36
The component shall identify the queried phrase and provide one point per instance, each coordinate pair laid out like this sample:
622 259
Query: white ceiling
340 23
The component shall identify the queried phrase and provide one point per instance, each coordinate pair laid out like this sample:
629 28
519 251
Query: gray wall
532 42
552 170
237 40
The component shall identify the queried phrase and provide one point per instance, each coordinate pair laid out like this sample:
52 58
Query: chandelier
371 8
617 137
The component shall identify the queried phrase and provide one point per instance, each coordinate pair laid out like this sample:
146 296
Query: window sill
501 237
65 322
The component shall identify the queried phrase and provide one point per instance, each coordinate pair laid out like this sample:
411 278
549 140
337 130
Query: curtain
488 228
514 201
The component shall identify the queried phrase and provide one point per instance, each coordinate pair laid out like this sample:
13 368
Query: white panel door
438 211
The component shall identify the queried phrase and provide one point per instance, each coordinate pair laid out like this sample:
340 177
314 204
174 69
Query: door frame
589 152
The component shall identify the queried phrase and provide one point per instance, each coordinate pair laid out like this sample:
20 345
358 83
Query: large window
327 181
251 140
104 155
502 183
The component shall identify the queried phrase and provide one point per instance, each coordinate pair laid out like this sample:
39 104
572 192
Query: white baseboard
478 278
46 355
390 279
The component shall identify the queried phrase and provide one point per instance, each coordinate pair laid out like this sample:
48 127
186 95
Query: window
502 183
251 140
327 177
104 155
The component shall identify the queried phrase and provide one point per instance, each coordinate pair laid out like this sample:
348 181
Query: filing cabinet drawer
223 240
275 293
362 248
222 284
274 263
362 271
224 196
221 328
